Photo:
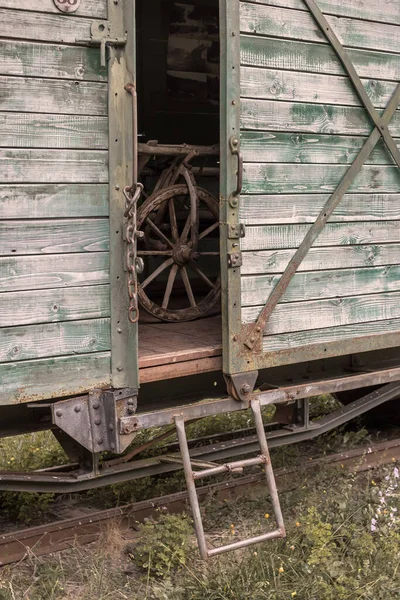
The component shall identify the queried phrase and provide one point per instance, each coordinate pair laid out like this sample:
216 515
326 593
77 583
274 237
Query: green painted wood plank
321 336
321 314
29 59
318 259
55 270
53 305
270 237
89 8
39 201
297 117
53 236
276 53
278 147
54 339
43 27
53 166
56 96
32 130
323 284
384 12
53 377
273 84
304 208
259 178
294 24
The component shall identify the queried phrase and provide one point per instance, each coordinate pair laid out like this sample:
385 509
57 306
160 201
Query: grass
343 543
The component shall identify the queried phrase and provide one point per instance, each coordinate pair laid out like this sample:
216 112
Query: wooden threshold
168 350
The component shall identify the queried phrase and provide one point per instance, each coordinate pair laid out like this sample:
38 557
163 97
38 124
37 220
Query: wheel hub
183 253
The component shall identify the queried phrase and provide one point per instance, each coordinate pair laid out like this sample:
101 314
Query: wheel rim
165 220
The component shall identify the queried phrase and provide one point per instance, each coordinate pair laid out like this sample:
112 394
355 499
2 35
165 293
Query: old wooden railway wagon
200 206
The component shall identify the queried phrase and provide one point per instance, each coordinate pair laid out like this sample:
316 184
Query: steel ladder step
192 476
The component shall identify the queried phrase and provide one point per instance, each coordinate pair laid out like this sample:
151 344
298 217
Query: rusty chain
134 264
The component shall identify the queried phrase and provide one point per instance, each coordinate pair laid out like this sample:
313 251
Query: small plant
163 544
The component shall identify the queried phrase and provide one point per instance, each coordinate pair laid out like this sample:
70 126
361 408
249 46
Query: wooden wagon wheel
167 249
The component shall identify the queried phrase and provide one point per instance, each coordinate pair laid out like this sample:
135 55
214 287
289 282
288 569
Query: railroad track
53 537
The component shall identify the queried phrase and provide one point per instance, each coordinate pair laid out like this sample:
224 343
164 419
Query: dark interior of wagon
178 62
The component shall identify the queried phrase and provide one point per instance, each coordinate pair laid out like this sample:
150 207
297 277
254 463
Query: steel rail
53 537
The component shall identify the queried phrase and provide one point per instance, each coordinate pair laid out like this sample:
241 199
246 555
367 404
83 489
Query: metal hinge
236 231
101 34
234 260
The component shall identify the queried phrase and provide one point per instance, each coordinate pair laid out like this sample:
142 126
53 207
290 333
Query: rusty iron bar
354 77
381 130
233 467
257 329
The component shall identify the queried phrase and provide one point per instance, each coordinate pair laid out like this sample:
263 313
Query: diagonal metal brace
255 332
258 328
355 79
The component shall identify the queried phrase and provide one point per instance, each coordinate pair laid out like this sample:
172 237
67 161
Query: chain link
133 264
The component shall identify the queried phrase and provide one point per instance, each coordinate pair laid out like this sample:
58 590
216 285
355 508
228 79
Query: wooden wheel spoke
202 275
185 231
209 230
173 221
170 284
209 253
188 287
158 232
156 273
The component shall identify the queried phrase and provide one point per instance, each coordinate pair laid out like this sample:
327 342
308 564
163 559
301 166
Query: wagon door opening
178 60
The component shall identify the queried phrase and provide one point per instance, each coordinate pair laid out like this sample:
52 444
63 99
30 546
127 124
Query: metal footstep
233 467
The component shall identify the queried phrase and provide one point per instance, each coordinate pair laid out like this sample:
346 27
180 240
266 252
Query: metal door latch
102 35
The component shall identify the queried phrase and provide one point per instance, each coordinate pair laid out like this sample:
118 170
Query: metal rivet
233 102
245 389
96 405
119 330
111 427
112 446
258 329
59 413
235 338
117 187
97 421
252 339
120 369
77 409
100 441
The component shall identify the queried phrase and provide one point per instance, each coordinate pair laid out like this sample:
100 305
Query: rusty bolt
252 340
235 338
59 413
245 389
258 329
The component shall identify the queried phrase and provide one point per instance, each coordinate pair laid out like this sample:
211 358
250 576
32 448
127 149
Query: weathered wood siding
302 124
54 231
